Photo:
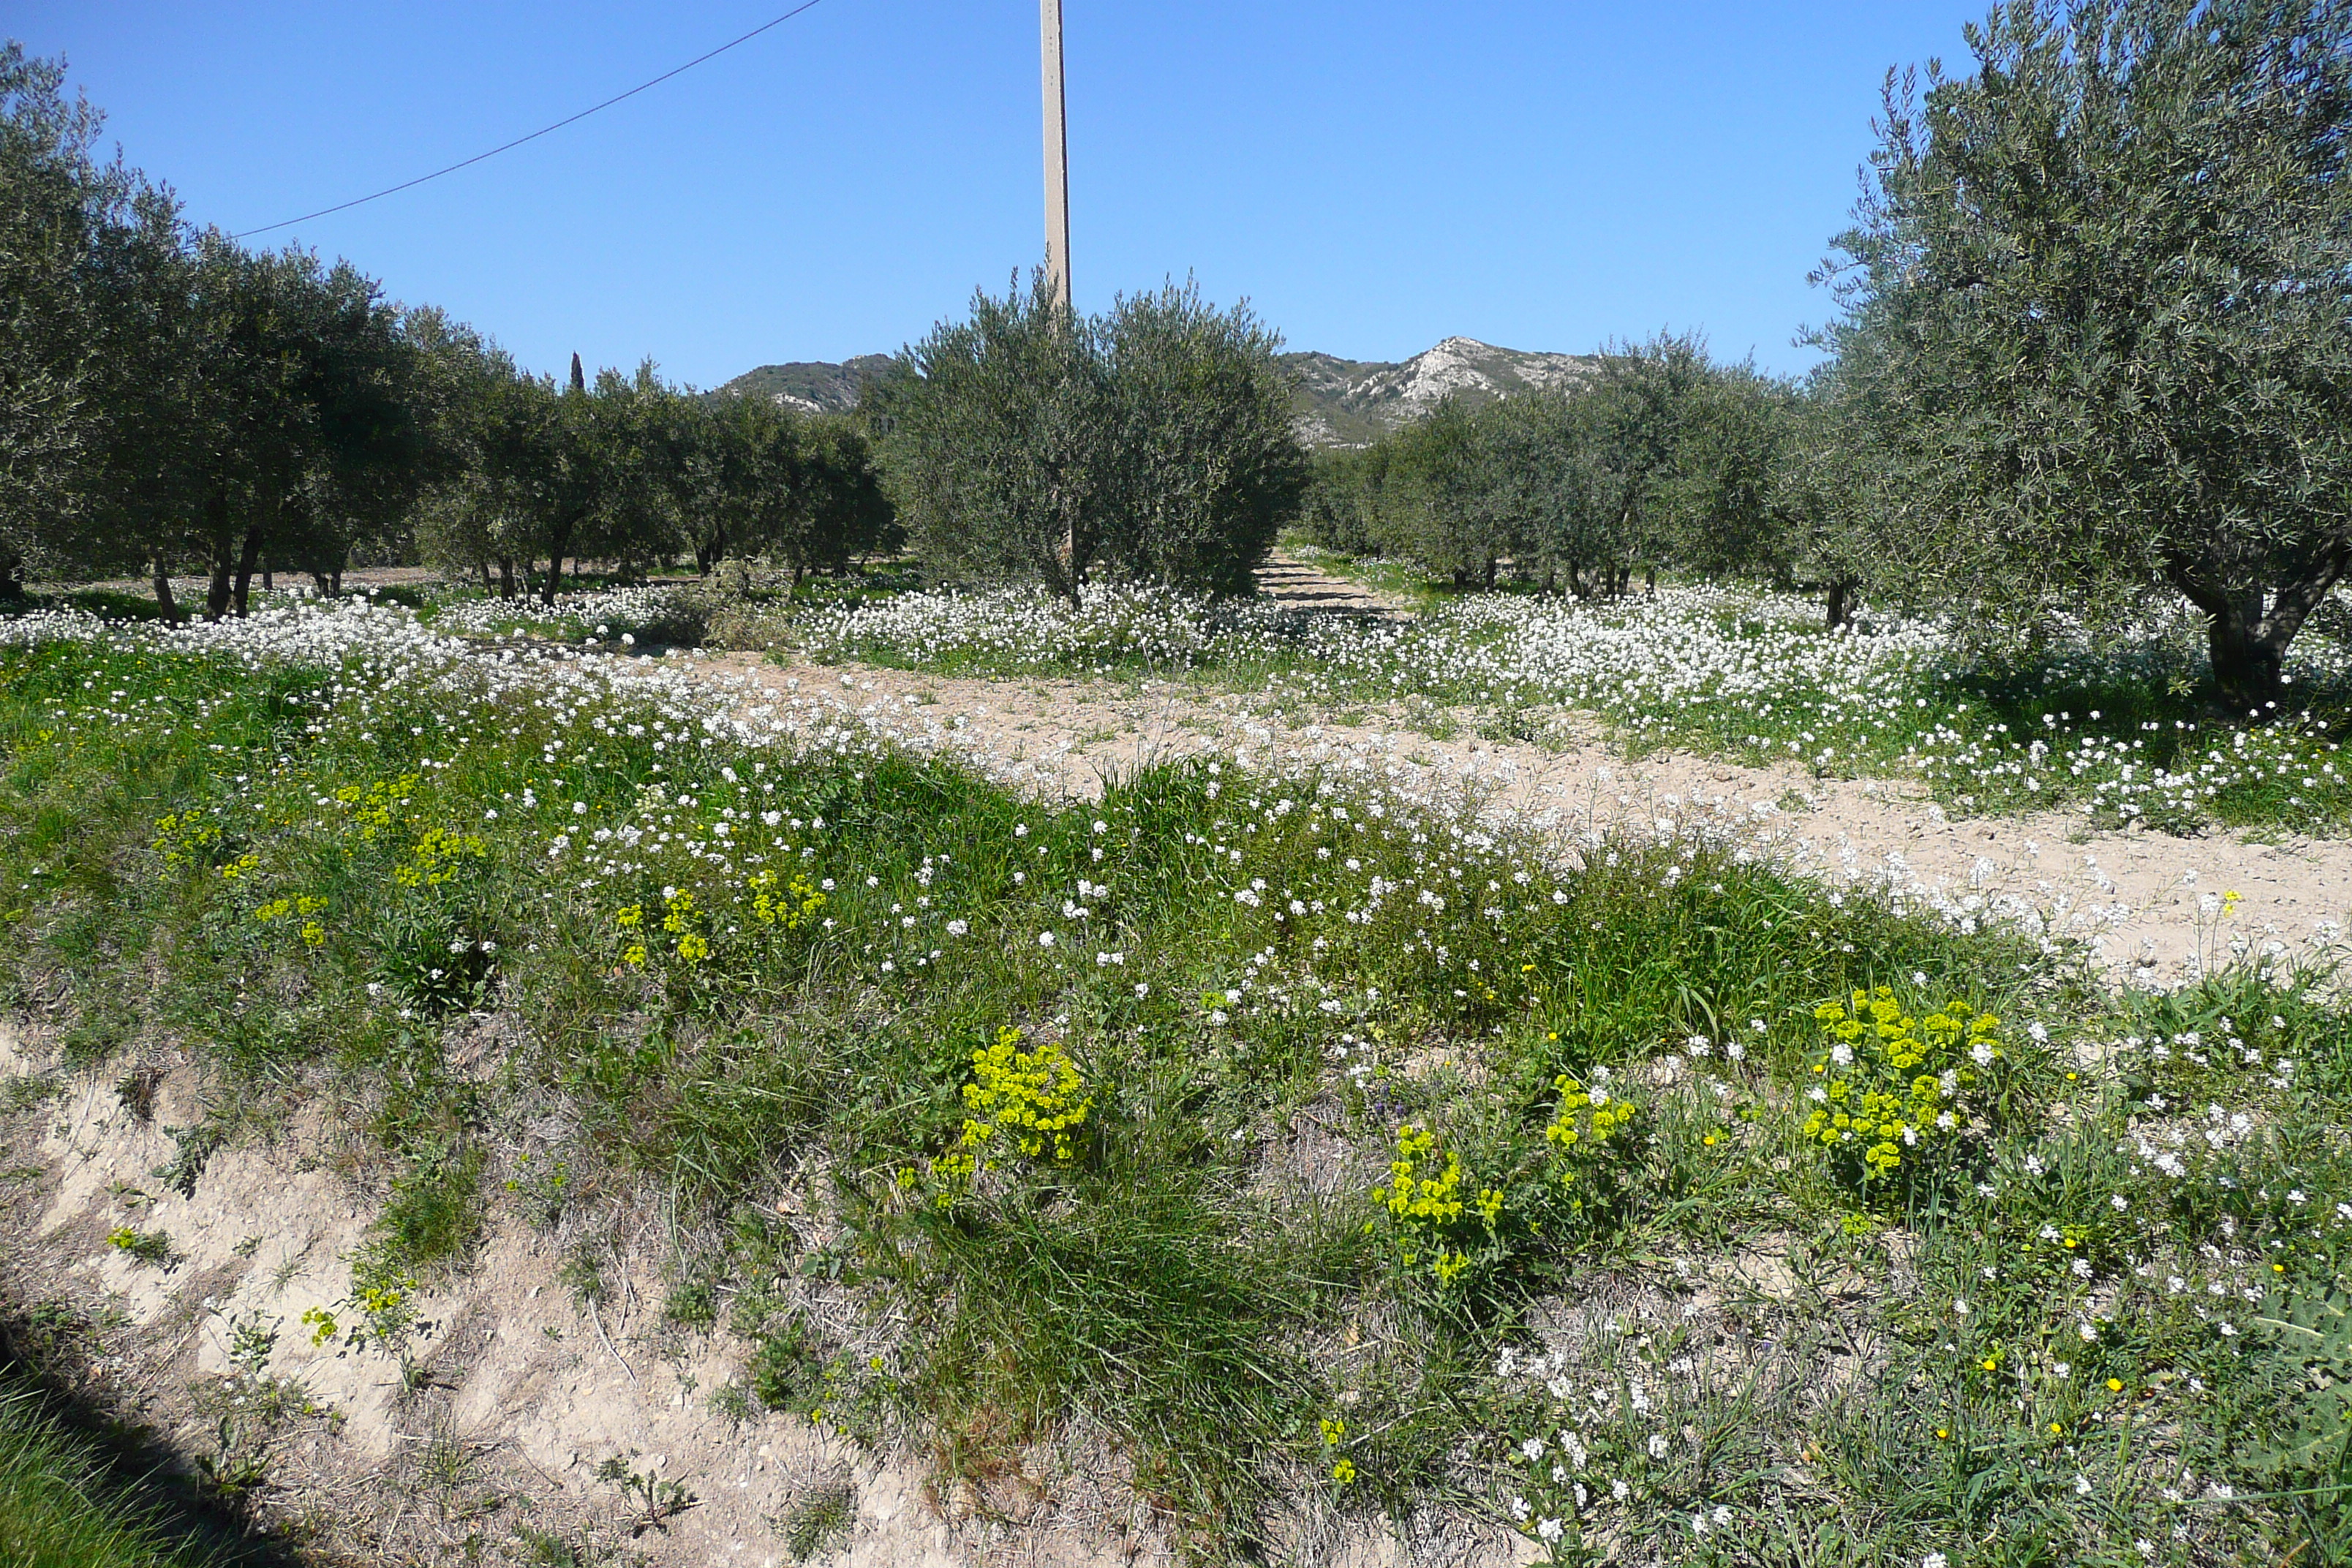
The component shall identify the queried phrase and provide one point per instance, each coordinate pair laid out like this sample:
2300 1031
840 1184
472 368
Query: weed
194 1147
433 1217
652 1500
149 1246
28 1091
820 1521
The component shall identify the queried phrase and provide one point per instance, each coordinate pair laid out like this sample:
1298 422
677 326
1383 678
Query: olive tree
90 275
1717 493
1636 417
1342 504
48 190
1205 466
1829 496
298 404
999 452
2097 305
1440 502
838 506
1029 443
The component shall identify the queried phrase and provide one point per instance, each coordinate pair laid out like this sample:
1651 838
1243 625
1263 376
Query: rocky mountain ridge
1353 403
1339 402
812 386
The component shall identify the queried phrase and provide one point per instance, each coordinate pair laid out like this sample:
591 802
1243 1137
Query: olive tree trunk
2249 630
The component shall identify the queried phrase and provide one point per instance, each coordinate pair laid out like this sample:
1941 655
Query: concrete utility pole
1057 155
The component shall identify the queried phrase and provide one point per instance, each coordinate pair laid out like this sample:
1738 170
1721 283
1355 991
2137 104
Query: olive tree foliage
1000 440
1662 458
170 400
1715 497
1441 505
632 470
1028 443
2097 305
471 519
1830 490
80 248
290 429
1205 468
1342 505
761 479
838 506
1540 502
47 192
549 471
1636 417
167 397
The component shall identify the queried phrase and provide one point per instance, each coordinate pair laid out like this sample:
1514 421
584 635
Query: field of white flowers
1331 1154
2095 723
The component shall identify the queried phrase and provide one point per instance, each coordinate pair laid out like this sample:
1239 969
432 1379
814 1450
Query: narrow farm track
2146 902
1286 580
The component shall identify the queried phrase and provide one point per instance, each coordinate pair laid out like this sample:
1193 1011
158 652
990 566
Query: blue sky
1371 176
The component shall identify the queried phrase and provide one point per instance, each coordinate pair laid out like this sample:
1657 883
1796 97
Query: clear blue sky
1373 176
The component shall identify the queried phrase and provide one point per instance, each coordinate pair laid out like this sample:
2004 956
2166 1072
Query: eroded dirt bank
491 1432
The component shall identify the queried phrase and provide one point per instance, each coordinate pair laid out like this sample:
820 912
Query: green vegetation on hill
813 387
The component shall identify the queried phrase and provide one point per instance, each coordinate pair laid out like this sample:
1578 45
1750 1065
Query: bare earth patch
519 1394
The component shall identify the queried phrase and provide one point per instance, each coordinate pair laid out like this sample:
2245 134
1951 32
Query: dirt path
1286 580
2150 905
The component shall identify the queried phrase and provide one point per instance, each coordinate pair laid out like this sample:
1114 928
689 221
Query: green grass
64 1505
1402 578
1279 988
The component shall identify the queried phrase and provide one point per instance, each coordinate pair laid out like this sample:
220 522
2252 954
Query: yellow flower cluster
184 838
302 906
775 903
683 922
1589 1117
631 918
387 1309
1343 1470
682 919
1891 1082
372 808
1427 1210
437 857
1036 1099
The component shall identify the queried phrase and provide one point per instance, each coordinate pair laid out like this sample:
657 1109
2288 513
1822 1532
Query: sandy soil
522 1394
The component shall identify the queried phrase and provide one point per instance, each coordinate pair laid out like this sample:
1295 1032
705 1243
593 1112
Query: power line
510 147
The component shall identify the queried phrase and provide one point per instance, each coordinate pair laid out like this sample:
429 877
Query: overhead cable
544 130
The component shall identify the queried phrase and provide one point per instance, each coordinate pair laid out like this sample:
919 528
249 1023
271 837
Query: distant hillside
1352 403
813 386
1340 401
